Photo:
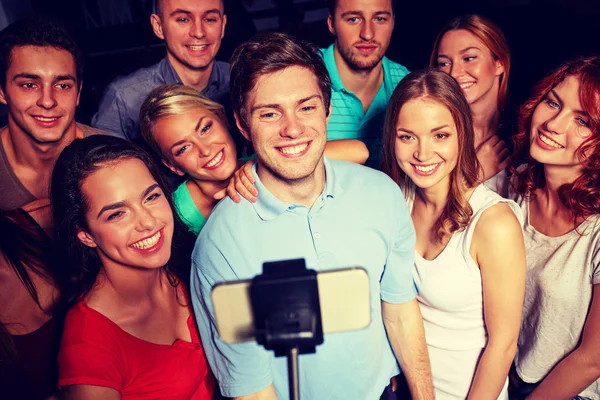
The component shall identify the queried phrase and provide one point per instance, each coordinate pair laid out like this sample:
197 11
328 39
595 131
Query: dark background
541 33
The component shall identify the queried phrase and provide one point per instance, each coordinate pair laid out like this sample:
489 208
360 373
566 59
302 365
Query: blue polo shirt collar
217 75
269 207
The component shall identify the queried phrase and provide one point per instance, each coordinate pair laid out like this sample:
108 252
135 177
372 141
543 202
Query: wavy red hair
582 197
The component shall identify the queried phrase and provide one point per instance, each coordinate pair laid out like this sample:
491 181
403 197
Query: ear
499 68
172 167
157 26
223 26
79 92
331 25
86 239
240 125
2 97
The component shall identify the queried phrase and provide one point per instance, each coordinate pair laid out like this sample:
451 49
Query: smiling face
426 145
192 30
129 220
466 58
196 143
287 124
559 126
41 93
363 29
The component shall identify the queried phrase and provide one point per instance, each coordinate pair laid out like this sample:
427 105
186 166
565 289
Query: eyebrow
120 204
431 131
278 106
461 51
560 100
182 11
353 12
26 75
177 143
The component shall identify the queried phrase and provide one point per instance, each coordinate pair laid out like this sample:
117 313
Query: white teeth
550 142
426 168
217 159
147 243
291 150
46 119
200 47
466 85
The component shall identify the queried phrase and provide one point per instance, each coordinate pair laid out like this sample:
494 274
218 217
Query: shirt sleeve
397 285
243 368
86 364
112 115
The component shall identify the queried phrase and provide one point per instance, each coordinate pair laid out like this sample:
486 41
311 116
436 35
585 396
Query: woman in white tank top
470 256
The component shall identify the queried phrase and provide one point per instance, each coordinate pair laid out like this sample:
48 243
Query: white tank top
450 296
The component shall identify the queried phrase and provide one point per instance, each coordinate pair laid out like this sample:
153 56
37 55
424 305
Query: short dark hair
42 31
333 6
266 53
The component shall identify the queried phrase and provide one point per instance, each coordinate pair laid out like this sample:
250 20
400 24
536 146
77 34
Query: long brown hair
491 36
442 88
582 197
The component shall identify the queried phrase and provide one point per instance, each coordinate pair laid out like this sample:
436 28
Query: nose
558 123
47 98
203 148
197 29
292 127
422 152
456 69
146 220
366 31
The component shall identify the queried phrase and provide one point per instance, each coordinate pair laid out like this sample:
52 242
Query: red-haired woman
473 50
556 180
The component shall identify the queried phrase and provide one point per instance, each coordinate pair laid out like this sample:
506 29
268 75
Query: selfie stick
287 313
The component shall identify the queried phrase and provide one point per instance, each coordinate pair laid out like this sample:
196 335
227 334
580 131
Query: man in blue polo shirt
333 214
362 78
192 31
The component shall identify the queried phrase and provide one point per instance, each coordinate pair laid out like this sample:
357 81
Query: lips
426 170
149 244
198 48
46 121
216 161
547 142
466 85
295 150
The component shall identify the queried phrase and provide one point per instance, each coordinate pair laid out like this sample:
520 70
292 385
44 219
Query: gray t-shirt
561 272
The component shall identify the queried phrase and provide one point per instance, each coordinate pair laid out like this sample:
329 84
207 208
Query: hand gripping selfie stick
287 313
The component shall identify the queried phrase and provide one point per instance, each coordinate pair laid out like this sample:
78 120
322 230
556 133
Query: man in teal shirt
362 78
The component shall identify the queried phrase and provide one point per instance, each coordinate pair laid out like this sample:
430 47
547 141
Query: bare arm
267 393
89 392
347 150
500 252
580 368
404 327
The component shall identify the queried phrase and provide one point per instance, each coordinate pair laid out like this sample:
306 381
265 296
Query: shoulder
85 326
499 221
129 82
222 67
350 174
89 131
395 71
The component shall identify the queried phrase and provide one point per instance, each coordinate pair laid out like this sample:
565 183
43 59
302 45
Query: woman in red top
131 332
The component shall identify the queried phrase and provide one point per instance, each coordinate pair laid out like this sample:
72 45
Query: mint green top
187 210
348 119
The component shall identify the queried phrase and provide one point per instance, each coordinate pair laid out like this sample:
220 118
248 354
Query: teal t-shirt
187 210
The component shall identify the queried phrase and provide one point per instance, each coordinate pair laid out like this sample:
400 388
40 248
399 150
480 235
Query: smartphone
344 296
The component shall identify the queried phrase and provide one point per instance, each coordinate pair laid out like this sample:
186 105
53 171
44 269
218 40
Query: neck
486 117
434 198
208 189
27 152
132 285
196 78
358 81
303 191
555 177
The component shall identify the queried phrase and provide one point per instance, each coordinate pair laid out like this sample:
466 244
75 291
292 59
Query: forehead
568 90
365 6
168 127
195 6
116 181
287 85
423 114
459 39
41 61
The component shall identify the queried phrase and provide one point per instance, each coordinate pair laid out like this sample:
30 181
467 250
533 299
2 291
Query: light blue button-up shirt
360 219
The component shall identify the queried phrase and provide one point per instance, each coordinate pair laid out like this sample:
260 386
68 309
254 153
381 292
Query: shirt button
317 236
193 326
198 347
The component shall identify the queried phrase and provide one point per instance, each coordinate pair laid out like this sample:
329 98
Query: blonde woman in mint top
470 256
555 179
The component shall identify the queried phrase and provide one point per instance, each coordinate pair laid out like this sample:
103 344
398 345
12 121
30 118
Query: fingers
220 194
231 192
245 187
246 169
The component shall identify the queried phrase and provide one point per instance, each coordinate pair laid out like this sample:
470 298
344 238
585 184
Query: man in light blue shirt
333 214
362 78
